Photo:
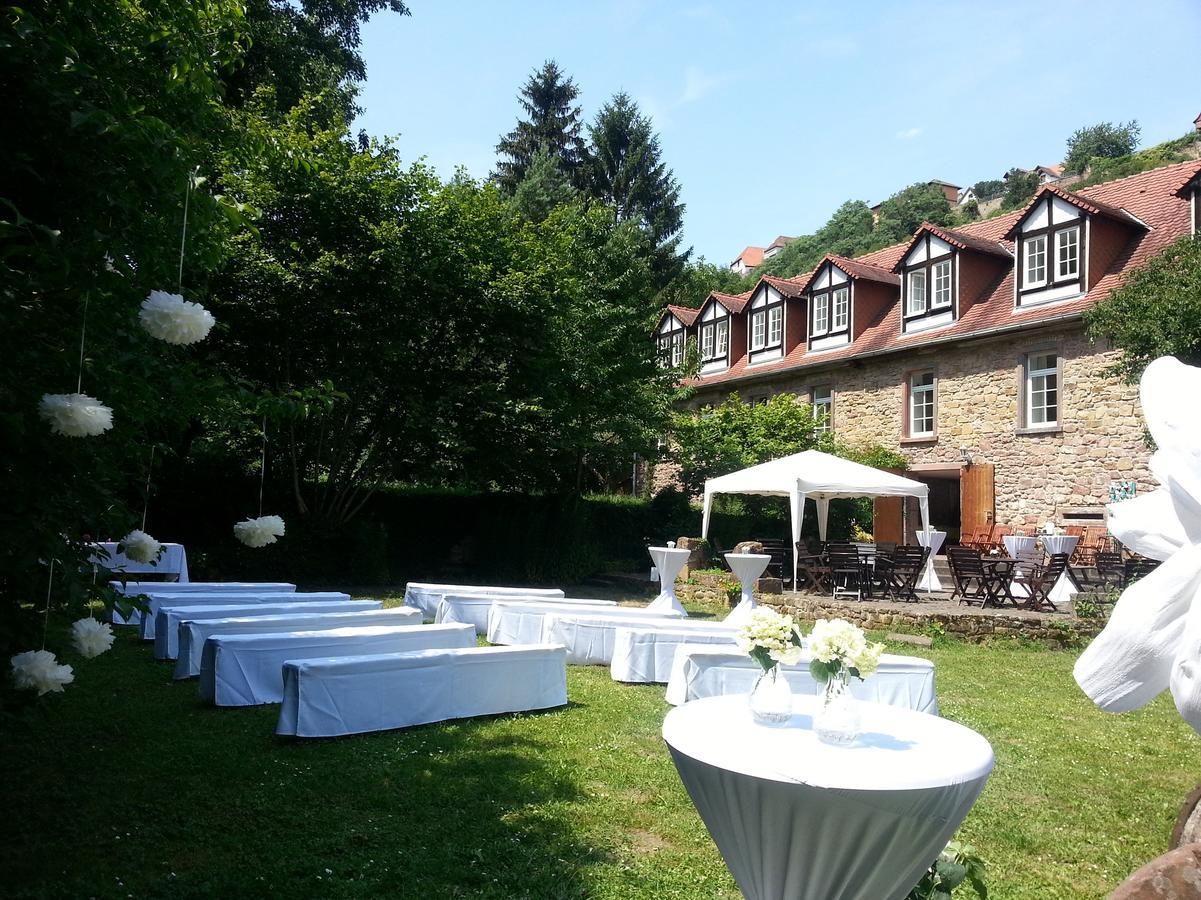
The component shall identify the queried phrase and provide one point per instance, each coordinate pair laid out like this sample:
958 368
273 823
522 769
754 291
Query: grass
126 785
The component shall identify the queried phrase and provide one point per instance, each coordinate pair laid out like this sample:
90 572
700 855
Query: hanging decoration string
263 467
146 500
183 237
46 617
83 333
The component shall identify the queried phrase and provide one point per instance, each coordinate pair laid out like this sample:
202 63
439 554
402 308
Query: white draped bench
707 671
132 588
644 655
522 622
339 696
243 598
474 608
193 632
425 595
590 636
246 669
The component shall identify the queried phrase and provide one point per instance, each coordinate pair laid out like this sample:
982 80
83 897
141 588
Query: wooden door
976 499
888 521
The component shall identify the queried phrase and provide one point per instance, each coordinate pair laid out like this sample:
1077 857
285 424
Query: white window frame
722 333
941 276
775 325
821 313
928 396
840 301
1027 257
708 341
758 329
1059 259
911 293
677 348
821 398
1042 372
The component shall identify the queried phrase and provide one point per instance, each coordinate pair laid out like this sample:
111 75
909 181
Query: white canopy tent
819 476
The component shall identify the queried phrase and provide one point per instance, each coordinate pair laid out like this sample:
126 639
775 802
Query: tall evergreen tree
628 174
543 188
553 120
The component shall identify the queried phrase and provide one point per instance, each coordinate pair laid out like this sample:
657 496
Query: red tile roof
781 240
735 303
685 314
1153 196
860 267
785 286
751 257
1088 204
960 239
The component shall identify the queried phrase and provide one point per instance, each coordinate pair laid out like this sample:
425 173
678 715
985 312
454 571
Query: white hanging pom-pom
91 638
259 532
171 318
75 415
140 547
38 670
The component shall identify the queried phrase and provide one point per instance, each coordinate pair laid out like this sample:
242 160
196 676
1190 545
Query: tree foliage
696 281
1156 312
1020 186
553 120
904 212
1105 140
543 188
989 189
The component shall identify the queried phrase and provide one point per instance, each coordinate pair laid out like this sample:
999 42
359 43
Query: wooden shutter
887 519
976 499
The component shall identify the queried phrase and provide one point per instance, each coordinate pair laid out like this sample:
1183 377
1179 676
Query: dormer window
821 313
842 308
671 337
1067 253
928 284
1034 250
831 310
915 298
941 297
715 340
766 326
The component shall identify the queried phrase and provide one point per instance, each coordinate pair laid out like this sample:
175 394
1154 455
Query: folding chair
905 570
1043 579
846 572
972 583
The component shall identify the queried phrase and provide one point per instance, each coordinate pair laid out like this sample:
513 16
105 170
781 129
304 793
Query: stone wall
1038 475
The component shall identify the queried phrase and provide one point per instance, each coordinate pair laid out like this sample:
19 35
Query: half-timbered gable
765 324
943 272
844 297
672 334
719 330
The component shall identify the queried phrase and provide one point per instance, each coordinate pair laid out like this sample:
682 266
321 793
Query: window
1042 390
758 330
708 341
761 400
915 302
941 275
921 404
823 407
842 304
677 348
821 313
1036 260
775 325
723 337
1067 253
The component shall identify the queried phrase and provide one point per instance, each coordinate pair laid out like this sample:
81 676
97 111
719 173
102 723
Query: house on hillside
1046 174
950 191
748 260
964 350
776 246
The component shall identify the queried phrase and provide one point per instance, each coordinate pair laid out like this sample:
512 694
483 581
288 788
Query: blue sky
773 114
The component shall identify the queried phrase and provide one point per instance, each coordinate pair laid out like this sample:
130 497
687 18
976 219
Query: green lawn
125 785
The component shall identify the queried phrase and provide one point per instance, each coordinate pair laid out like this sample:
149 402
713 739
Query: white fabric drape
474 608
645 655
425 595
157 602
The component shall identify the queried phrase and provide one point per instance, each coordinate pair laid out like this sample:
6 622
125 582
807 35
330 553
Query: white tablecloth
590 636
244 598
520 622
644 655
932 539
707 671
474 608
796 818
245 669
668 562
1065 588
269 618
425 595
327 697
173 562
747 567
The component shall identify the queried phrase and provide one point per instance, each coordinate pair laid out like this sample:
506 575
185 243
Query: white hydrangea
171 318
259 532
75 415
141 547
39 670
868 660
91 637
768 630
837 640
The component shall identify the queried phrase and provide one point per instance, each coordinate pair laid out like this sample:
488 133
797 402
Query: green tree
1156 312
697 280
904 212
553 119
1105 140
543 188
628 173
989 189
848 232
1020 186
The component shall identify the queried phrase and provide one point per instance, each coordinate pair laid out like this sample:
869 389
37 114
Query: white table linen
706 671
1065 586
269 618
157 601
247 669
747 567
340 695
668 561
933 539
172 562
644 655
796 818
425 595
1022 547
132 588
474 608
590 636
520 622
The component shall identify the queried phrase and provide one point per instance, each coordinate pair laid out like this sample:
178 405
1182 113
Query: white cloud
908 134
698 85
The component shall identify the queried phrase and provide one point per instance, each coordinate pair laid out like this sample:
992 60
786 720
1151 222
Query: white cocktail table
932 539
747 567
1065 588
669 561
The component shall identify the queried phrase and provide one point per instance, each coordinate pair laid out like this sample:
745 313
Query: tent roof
815 474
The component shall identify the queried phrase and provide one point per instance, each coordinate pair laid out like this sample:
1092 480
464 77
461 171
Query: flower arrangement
75 415
140 547
259 532
770 638
40 671
859 534
91 637
171 318
840 649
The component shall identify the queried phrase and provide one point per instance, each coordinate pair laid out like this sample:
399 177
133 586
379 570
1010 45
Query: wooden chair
972 583
1111 570
1139 567
997 539
969 537
904 570
1089 545
846 571
812 570
1043 579
781 559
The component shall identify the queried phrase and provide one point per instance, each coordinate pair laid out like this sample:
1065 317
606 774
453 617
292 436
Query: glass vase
837 719
771 698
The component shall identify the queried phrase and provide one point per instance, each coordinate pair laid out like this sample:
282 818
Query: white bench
590 638
244 598
192 633
474 608
643 655
339 696
132 588
706 671
521 622
425 595
245 669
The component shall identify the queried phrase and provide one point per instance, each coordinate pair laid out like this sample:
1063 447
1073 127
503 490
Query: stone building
964 349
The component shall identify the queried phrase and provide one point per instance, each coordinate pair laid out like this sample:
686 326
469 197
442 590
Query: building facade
964 349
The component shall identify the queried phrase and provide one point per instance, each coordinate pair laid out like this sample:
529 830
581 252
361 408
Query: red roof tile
685 314
751 257
959 239
785 286
735 303
1088 204
856 268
